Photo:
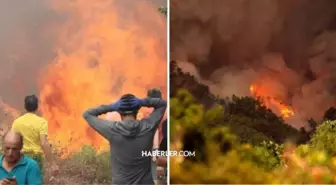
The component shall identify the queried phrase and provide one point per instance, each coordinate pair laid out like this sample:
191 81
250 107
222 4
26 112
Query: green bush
324 137
216 148
163 10
223 157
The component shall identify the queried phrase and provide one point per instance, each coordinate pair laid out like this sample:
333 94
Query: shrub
222 157
324 137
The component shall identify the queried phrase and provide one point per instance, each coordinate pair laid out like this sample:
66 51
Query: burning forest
252 88
75 55
280 51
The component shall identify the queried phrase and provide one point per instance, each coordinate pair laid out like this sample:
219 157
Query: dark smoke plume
287 44
27 42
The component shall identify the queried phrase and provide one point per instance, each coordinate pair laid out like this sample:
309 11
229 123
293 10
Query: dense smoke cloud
75 55
284 46
25 47
28 36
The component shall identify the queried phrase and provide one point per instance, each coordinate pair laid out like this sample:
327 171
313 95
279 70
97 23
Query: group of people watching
26 144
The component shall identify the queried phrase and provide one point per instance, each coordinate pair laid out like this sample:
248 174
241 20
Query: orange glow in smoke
8 110
10 114
269 100
98 60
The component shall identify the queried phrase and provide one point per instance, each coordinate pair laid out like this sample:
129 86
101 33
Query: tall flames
270 100
97 62
101 55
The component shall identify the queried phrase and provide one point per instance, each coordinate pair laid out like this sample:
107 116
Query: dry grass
84 167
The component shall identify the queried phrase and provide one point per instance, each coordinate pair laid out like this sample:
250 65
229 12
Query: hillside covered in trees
246 116
238 140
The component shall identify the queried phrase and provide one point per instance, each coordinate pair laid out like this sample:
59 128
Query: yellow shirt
31 127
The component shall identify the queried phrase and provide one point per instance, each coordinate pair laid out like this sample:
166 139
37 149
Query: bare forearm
48 152
156 140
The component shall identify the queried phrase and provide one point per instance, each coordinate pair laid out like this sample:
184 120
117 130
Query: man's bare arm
47 148
156 140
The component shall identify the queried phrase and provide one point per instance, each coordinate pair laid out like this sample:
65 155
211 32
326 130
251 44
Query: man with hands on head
129 138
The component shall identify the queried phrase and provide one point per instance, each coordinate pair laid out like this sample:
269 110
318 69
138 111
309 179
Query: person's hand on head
116 105
133 103
154 93
139 102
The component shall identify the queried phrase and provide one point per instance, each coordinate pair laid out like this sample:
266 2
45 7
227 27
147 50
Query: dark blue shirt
26 171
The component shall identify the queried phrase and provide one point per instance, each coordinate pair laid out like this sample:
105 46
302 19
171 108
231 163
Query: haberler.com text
157 153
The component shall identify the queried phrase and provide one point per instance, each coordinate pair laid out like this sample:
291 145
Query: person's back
31 127
129 139
35 133
126 152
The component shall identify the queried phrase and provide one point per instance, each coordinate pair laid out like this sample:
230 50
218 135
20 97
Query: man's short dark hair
31 103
